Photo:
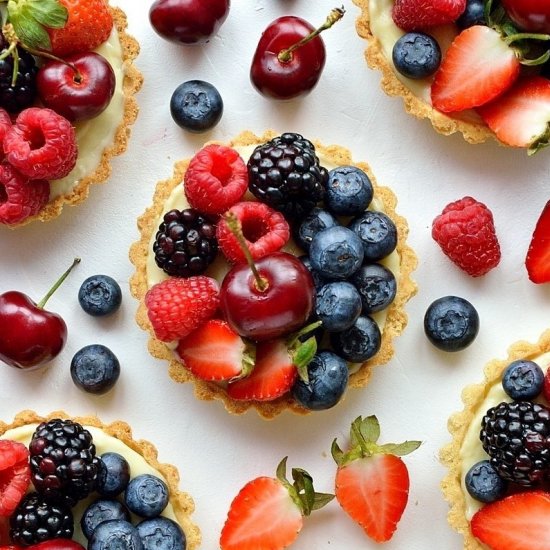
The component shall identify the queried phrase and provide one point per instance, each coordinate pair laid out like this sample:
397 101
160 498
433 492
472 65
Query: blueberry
100 295
359 342
146 495
523 380
317 220
377 233
161 534
473 14
336 252
100 511
451 323
484 484
328 379
376 285
416 55
95 369
115 534
196 106
318 280
349 191
337 305
114 475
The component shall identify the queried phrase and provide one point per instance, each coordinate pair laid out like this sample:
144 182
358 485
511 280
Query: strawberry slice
516 522
478 66
15 475
372 482
521 116
537 261
268 513
215 352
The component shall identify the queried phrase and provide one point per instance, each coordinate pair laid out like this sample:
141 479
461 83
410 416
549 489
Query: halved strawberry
267 514
215 352
15 475
537 261
521 116
478 66
372 482
517 522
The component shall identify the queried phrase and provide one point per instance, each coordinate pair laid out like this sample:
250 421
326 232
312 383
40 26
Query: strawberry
176 307
15 475
215 352
372 482
411 15
268 513
521 116
537 261
517 522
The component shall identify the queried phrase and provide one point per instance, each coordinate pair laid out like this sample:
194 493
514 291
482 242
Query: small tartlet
181 502
396 318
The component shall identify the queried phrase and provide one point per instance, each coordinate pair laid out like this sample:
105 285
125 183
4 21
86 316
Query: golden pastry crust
132 83
181 502
396 319
473 132
458 424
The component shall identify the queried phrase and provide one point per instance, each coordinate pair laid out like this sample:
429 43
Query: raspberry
411 15
5 126
264 229
176 306
466 233
41 144
15 475
215 180
19 196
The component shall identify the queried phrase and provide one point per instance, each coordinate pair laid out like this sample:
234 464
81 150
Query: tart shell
396 319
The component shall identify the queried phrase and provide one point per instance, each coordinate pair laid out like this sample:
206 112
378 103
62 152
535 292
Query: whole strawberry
372 482
465 231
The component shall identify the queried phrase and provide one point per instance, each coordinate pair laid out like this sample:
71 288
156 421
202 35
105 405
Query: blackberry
516 436
63 460
37 519
185 243
285 174
23 94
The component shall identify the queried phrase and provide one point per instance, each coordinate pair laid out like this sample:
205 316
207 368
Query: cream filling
103 443
471 450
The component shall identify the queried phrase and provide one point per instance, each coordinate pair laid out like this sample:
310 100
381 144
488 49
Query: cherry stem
235 227
58 283
335 15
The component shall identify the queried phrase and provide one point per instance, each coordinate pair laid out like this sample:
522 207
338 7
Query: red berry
537 260
15 475
41 144
466 233
176 307
264 229
5 126
411 15
215 180
19 196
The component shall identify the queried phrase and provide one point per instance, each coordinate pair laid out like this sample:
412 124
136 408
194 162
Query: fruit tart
71 480
67 86
498 460
272 273
477 67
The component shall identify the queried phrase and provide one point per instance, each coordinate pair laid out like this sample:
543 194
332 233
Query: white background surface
216 453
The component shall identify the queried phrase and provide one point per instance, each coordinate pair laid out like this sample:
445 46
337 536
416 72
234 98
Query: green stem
58 283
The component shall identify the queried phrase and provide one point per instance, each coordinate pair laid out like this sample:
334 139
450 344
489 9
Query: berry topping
95 369
185 243
537 260
359 342
317 220
114 475
115 533
377 232
337 305
41 144
473 14
523 380
215 179
5 125
19 196
265 231
100 295
465 231
146 495
484 484
412 15
349 191
102 510
176 307
416 55
376 285
15 475
161 534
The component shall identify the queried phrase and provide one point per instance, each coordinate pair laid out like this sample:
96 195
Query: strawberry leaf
370 429
399 449
303 483
50 13
302 356
30 32
320 500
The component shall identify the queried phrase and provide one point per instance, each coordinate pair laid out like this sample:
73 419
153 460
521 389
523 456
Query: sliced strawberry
478 67
537 261
216 352
521 116
517 522
372 482
15 475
